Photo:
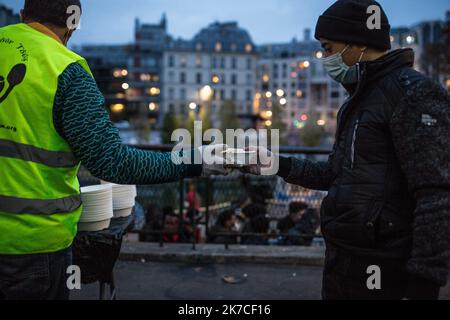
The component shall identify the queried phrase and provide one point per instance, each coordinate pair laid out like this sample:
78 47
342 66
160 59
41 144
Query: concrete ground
182 281
175 281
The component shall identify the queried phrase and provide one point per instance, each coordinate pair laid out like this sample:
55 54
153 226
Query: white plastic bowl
94 226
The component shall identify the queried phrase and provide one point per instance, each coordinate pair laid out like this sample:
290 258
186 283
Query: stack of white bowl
123 200
97 208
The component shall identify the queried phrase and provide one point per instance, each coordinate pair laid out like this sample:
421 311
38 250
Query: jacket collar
370 71
43 29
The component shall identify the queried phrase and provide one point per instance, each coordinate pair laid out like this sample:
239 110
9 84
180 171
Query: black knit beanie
346 21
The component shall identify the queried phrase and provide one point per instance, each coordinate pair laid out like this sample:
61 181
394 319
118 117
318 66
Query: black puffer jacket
388 177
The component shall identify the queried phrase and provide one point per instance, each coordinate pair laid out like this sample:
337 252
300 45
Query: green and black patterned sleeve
81 119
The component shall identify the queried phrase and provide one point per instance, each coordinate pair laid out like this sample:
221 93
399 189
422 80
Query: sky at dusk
112 21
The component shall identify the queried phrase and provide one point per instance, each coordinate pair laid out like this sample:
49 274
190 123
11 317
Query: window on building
222 95
233 79
233 94
183 61
182 109
248 95
198 61
171 108
171 93
249 63
183 93
249 78
335 94
198 78
233 63
222 63
171 61
182 77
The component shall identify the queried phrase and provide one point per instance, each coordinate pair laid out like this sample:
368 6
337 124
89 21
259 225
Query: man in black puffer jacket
388 176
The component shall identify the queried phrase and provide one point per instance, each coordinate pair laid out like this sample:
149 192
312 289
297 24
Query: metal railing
217 195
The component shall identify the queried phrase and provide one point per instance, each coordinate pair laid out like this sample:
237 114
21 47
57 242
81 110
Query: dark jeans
35 276
345 278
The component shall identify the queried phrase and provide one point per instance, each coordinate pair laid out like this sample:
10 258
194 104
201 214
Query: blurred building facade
218 65
291 75
430 41
7 16
157 74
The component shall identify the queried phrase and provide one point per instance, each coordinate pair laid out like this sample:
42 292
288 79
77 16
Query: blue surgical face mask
339 71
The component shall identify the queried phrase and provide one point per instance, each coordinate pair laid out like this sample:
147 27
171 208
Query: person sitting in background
249 213
304 230
259 225
153 223
296 211
225 224
171 225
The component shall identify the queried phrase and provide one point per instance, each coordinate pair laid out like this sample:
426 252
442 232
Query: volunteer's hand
213 160
261 162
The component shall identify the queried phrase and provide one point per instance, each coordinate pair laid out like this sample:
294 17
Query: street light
206 93
192 106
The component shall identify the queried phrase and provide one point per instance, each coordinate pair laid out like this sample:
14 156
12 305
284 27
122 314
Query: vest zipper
353 144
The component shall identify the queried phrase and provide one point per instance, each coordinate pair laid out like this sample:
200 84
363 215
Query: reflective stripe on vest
56 159
38 206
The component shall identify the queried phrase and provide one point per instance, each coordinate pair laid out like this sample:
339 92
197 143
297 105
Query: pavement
176 272
179 281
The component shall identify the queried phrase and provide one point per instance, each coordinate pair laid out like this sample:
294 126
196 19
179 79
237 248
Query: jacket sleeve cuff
419 288
285 167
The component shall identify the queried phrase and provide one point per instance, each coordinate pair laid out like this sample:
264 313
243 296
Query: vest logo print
13 79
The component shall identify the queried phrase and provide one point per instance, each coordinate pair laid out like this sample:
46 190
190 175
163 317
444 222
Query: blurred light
293 75
206 93
269 114
301 125
448 83
215 79
152 106
268 94
299 93
321 122
268 123
283 101
192 106
409 39
218 47
266 78
392 38
154 91
146 77
296 123
304 117
118 107
125 86
248 47
306 64
319 54
120 95
120 73
280 92
258 96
